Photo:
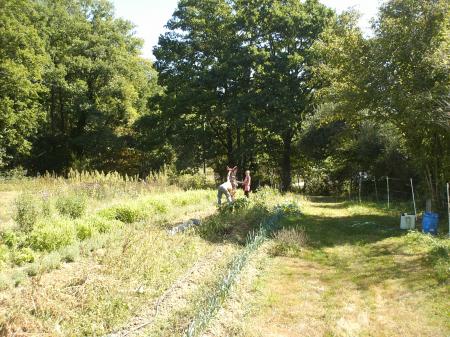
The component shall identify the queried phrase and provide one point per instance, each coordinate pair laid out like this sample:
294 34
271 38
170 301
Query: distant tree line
283 87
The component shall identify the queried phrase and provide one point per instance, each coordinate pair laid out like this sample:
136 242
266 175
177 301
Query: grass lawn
357 275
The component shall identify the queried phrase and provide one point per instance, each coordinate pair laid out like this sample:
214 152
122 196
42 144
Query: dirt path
360 281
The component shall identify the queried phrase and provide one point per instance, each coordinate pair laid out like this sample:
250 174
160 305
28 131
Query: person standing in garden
229 187
246 184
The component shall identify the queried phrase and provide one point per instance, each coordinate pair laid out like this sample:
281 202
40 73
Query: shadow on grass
354 230
363 256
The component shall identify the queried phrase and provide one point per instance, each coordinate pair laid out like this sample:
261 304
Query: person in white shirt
228 188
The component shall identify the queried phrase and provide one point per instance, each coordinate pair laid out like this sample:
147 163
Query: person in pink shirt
246 184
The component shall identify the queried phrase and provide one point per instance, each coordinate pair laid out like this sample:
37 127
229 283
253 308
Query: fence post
414 200
448 207
360 182
387 184
376 190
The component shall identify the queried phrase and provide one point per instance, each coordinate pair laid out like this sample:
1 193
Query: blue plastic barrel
430 222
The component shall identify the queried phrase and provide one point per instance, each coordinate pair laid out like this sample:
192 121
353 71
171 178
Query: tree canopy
282 87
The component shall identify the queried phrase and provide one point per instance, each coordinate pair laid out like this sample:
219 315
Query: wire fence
394 192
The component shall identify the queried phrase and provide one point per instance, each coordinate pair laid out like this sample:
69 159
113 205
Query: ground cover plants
81 263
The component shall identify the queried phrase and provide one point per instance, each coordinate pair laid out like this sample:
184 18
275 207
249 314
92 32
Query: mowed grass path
357 276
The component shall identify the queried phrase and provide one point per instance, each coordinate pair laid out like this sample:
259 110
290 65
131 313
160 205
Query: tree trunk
230 146
286 178
52 110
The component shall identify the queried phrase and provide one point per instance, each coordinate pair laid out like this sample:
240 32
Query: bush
10 238
24 255
159 207
26 212
126 214
238 204
290 210
52 235
288 242
84 229
215 227
73 206
103 225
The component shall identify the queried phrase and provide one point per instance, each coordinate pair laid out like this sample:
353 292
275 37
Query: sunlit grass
358 275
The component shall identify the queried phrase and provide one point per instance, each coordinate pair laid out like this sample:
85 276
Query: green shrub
291 209
84 229
24 255
94 243
73 206
26 212
237 205
10 238
105 222
123 213
128 214
52 235
159 207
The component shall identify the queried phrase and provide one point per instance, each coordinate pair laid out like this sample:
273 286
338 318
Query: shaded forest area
284 88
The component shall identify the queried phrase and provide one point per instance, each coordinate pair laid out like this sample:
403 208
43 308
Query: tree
206 74
409 81
280 37
22 61
98 86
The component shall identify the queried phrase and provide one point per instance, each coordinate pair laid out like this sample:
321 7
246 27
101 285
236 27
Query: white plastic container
407 221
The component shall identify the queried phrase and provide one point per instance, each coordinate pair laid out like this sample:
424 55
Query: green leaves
22 60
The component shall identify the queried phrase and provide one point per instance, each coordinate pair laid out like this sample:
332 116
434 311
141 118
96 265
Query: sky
150 16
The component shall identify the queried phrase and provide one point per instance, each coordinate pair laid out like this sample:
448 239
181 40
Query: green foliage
437 250
73 206
84 229
10 238
191 181
26 212
291 209
52 234
235 206
22 61
102 225
23 255
124 213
